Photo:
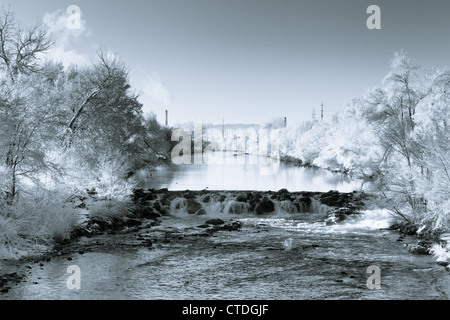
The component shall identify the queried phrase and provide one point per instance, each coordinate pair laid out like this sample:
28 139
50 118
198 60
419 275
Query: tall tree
26 110
52 118
412 153
107 118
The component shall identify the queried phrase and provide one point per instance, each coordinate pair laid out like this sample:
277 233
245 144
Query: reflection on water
240 174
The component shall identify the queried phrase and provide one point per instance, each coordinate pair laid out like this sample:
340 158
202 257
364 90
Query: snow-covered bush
43 217
9 238
109 210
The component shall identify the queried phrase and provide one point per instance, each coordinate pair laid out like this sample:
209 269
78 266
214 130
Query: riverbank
217 211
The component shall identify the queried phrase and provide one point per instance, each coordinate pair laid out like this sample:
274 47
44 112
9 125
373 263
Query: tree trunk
13 183
10 194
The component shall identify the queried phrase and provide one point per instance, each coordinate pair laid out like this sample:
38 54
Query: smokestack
321 113
167 118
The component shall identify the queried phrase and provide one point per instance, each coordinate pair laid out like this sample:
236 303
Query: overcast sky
247 61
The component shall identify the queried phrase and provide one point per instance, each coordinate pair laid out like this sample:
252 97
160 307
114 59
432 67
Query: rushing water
275 256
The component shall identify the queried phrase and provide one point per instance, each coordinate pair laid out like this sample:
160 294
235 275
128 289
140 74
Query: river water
241 173
275 256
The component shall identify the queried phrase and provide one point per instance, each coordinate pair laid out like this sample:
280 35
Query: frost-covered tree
106 117
395 136
409 113
27 111
432 133
276 123
20 48
55 120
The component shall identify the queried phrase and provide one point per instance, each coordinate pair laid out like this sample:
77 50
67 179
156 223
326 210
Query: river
275 256
241 173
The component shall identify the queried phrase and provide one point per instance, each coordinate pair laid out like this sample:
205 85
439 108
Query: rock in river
417 249
215 222
338 215
265 206
193 207
335 199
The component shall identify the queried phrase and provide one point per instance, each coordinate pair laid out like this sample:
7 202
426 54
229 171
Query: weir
210 202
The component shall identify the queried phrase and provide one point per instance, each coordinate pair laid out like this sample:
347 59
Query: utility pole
223 127
285 122
224 148
321 112
167 118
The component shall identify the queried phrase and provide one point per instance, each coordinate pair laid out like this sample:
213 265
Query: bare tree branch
20 49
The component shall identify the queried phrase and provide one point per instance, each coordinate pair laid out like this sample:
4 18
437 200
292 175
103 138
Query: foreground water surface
275 256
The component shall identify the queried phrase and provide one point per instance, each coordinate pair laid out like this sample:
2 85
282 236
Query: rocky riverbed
207 224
